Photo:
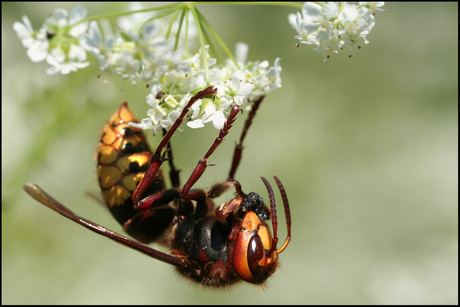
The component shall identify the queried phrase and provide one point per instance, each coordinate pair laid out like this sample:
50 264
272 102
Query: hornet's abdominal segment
123 158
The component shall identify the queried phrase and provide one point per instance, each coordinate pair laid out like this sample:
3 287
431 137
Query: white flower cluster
234 86
334 25
147 55
57 41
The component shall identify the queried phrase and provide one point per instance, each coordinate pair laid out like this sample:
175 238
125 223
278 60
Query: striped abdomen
123 157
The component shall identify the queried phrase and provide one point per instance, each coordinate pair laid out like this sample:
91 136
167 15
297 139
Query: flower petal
245 89
218 120
241 52
78 13
312 12
195 124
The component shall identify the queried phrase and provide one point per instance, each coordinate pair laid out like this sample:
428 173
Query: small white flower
169 121
232 86
314 17
38 49
195 124
218 119
241 53
196 108
76 15
239 88
357 23
155 90
146 124
214 76
36 42
208 114
60 20
59 63
58 41
152 100
334 25
171 102
24 31
329 41
209 109
132 55
373 6
100 48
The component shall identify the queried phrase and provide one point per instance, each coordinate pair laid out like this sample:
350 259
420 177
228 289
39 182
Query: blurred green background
367 148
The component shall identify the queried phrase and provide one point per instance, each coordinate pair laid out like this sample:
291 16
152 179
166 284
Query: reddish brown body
212 246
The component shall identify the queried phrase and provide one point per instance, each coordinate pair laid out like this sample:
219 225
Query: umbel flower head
331 26
139 51
148 49
234 86
57 41
143 53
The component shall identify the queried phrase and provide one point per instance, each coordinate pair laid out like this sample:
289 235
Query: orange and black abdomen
123 157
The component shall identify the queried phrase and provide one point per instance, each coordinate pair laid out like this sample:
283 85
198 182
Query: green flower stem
171 11
202 43
199 20
221 42
286 4
174 7
185 12
212 49
170 25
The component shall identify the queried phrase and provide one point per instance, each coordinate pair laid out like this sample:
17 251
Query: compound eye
256 256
